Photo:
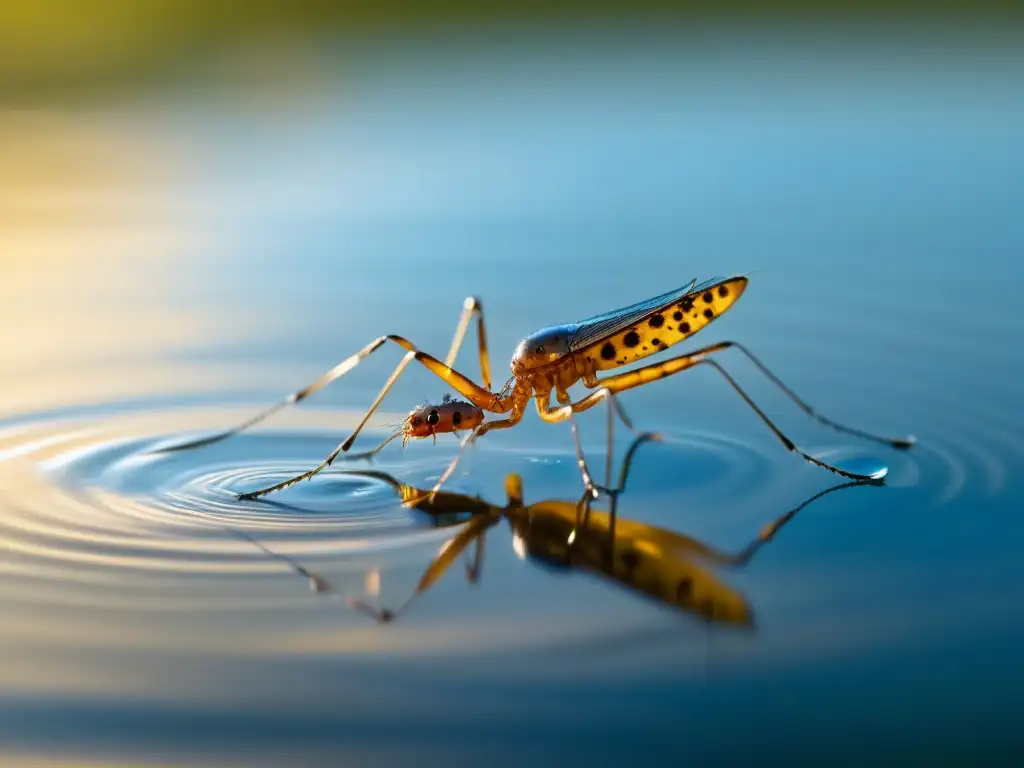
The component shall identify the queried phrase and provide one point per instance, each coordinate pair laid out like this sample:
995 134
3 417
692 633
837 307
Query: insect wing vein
600 326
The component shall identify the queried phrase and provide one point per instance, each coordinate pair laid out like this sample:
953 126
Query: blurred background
203 207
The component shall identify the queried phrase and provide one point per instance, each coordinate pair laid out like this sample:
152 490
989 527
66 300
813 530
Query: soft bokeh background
202 208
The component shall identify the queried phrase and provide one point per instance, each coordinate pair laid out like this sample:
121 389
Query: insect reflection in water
669 568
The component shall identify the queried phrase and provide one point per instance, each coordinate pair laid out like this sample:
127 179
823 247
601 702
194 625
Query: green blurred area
58 49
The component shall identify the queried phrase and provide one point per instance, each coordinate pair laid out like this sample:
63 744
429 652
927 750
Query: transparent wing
598 327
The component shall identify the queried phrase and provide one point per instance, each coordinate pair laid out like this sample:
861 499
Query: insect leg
611 443
768 532
317 583
409 356
480 397
474 530
565 413
903 442
473 569
668 367
336 372
590 488
675 365
627 460
374 451
479 431
617 491
470 307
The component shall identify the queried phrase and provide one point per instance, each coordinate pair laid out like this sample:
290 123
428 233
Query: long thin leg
590 488
334 454
767 533
481 430
474 530
374 451
336 372
473 569
317 583
656 371
480 397
614 409
613 493
471 306
627 461
611 443
901 442
675 365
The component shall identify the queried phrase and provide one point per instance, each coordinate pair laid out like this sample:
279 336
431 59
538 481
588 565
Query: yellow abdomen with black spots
663 326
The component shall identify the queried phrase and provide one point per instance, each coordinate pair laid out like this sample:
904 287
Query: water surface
212 257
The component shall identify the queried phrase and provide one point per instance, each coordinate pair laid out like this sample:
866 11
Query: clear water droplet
866 466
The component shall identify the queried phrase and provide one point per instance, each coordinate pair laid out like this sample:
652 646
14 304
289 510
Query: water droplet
866 466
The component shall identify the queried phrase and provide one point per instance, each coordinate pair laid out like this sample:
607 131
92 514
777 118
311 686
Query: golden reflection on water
94 241
93 580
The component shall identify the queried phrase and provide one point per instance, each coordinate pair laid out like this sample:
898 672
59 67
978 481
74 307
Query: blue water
872 195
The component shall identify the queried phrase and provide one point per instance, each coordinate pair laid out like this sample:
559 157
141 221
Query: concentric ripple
126 540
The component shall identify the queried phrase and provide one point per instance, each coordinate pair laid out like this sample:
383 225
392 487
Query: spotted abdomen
663 326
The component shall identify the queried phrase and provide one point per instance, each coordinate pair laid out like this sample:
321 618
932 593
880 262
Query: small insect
428 420
669 568
551 360
431 420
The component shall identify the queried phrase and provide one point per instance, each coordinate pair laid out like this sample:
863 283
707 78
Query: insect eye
433 418
456 418
540 350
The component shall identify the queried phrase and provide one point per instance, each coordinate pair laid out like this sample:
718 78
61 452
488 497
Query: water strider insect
669 568
551 360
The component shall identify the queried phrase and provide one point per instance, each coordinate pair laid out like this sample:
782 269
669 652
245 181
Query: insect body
550 361
450 416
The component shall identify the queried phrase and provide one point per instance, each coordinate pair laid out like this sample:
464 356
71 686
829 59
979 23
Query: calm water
192 261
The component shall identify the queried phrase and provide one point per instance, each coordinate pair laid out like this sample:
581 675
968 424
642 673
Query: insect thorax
542 348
